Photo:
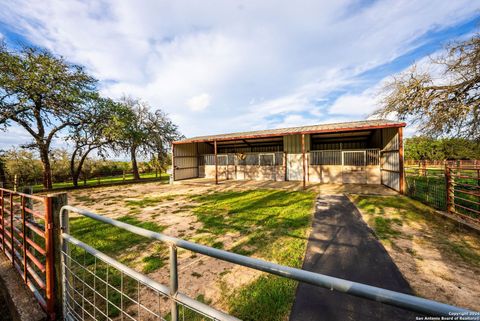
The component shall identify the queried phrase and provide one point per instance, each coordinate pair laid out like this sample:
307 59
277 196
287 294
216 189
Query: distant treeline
28 169
426 148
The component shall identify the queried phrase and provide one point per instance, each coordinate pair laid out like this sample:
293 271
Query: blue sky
223 66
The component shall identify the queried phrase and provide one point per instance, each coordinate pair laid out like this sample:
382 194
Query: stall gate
345 166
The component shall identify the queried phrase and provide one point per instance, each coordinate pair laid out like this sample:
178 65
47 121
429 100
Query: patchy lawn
439 258
272 224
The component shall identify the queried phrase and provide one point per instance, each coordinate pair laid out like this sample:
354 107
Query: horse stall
364 152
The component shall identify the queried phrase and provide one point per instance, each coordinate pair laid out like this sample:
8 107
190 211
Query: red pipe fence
26 238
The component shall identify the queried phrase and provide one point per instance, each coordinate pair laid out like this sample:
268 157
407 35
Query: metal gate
294 167
97 287
26 234
353 167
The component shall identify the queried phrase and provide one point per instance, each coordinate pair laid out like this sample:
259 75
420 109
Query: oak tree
44 94
443 100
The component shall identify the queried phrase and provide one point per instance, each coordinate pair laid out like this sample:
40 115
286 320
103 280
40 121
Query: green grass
103 181
110 239
386 215
271 224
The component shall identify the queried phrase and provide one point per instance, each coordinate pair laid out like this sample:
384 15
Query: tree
24 164
162 132
95 133
43 94
144 132
447 105
3 176
426 148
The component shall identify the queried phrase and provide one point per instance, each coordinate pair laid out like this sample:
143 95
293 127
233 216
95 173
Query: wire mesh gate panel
97 287
463 192
26 233
455 189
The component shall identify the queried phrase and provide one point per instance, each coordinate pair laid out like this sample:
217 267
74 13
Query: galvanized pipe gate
80 295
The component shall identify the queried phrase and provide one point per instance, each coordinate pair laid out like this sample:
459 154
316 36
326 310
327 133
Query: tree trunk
72 169
3 177
133 156
76 171
47 169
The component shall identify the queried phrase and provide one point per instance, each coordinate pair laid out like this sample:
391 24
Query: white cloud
265 64
200 102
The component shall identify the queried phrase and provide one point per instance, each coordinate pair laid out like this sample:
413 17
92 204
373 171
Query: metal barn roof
321 128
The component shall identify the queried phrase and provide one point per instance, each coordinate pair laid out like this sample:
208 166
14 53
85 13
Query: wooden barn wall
253 149
375 140
185 161
339 146
389 158
293 144
204 148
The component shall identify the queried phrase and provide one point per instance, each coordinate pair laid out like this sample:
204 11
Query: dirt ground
431 273
439 258
199 275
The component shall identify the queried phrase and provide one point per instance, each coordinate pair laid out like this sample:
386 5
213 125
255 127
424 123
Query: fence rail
27 241
442 163
76 299
455 189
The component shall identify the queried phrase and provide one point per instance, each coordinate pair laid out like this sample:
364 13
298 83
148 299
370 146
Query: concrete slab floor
321 188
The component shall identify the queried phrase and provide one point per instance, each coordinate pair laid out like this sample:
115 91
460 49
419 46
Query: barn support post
216 161
401 169
197 157
172 179
303 161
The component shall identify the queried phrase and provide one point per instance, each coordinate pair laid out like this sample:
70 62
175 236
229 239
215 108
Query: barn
361 152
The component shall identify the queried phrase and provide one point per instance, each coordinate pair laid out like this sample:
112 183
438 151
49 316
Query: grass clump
271 224
152 263
108 238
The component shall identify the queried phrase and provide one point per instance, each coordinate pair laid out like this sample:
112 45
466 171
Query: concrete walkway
342 245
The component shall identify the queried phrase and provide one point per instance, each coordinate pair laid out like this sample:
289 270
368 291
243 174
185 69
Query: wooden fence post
57 202
450 197
424 168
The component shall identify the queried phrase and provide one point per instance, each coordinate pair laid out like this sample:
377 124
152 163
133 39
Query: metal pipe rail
405 301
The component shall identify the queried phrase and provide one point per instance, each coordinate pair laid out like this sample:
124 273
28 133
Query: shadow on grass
271 224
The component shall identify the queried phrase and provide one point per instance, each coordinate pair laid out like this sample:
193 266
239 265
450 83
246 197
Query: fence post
57 201
2 215
449 189
173 281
